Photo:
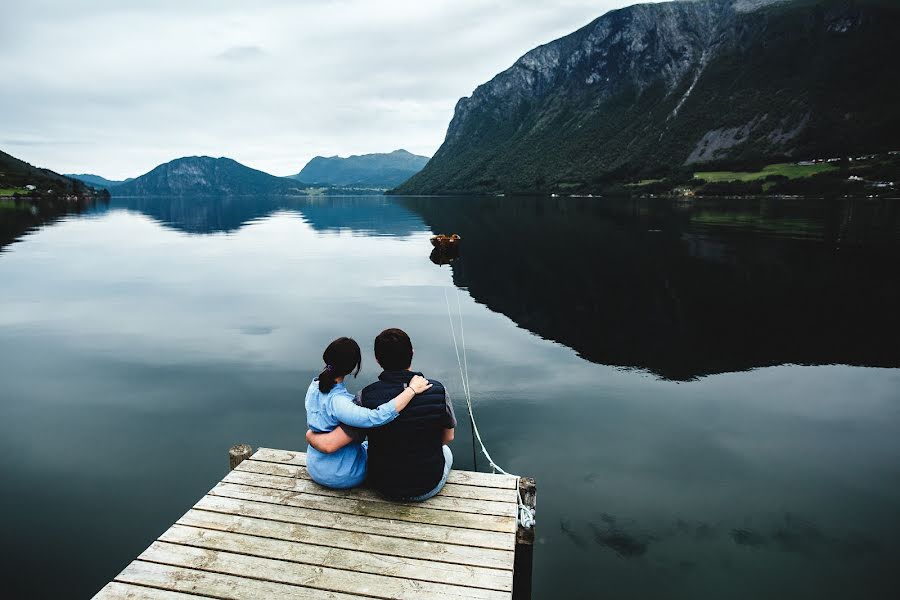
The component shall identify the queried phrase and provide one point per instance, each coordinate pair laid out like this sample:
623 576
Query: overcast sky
116 87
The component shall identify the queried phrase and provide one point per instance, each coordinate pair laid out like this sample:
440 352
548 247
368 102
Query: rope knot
526 516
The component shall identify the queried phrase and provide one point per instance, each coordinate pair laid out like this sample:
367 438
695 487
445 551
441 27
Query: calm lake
707 392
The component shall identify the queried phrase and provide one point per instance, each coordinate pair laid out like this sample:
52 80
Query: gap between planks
273 476
117 590
303 575
453 490
217 585
401 547
378 510
338 558
356 523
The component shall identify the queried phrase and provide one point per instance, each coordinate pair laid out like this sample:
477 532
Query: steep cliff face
204 175
657 86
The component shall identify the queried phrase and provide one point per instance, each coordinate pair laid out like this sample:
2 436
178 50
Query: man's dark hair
393 350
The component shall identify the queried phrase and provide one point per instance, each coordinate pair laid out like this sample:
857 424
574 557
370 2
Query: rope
466 365
526 513
462 335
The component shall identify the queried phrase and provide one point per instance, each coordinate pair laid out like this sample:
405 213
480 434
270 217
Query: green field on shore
789 170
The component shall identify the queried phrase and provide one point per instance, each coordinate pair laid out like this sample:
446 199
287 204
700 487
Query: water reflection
158 335
685 290
444 255
19 216
681 289
368 215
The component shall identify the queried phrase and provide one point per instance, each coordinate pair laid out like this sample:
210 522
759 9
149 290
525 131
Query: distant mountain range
204 175
207 176
365 170
95 180
655 89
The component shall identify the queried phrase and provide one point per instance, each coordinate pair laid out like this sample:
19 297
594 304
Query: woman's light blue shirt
345 468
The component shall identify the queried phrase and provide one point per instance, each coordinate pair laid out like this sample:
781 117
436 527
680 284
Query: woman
328 404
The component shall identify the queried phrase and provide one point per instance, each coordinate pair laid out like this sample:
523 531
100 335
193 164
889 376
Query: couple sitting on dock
408 420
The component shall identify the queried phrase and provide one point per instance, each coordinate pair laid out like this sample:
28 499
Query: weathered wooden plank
126 591
491 480
381 510
439 502
450 489
316 577
402 529
350 560
363 542
223 587
470 478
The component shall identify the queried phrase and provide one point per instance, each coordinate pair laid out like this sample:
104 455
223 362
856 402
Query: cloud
119 87
242 53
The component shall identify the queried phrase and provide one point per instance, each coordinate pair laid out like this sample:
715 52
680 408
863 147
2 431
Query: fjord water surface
708 393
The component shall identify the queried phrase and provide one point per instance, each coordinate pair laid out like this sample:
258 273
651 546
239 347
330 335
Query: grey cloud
27 142
242 53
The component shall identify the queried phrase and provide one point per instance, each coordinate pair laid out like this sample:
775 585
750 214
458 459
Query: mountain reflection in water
679 289
18 216
686 289
369 215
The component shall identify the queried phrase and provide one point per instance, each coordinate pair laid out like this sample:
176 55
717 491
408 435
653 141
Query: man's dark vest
405 456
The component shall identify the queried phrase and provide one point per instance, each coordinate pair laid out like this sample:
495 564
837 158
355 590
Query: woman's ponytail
341 357
326 379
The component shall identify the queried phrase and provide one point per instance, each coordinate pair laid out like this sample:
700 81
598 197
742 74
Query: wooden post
237 454
524 560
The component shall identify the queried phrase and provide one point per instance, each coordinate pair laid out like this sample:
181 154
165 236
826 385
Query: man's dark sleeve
450 417
356 434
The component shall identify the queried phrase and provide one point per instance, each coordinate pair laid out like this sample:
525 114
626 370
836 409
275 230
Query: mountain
96 180
31 197
365 170
16 174
206 176
653 89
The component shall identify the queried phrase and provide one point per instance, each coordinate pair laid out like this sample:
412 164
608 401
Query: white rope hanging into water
526 513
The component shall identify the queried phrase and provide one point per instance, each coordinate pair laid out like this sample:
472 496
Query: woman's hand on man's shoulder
419 384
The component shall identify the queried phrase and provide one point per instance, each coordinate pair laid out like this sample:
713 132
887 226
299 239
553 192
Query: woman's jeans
448 464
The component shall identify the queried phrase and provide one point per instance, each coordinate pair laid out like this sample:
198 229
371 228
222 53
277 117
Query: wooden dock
268 531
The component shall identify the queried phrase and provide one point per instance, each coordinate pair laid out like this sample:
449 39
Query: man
408 458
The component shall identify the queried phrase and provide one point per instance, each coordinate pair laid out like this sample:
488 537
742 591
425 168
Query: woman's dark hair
393 350
341 357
